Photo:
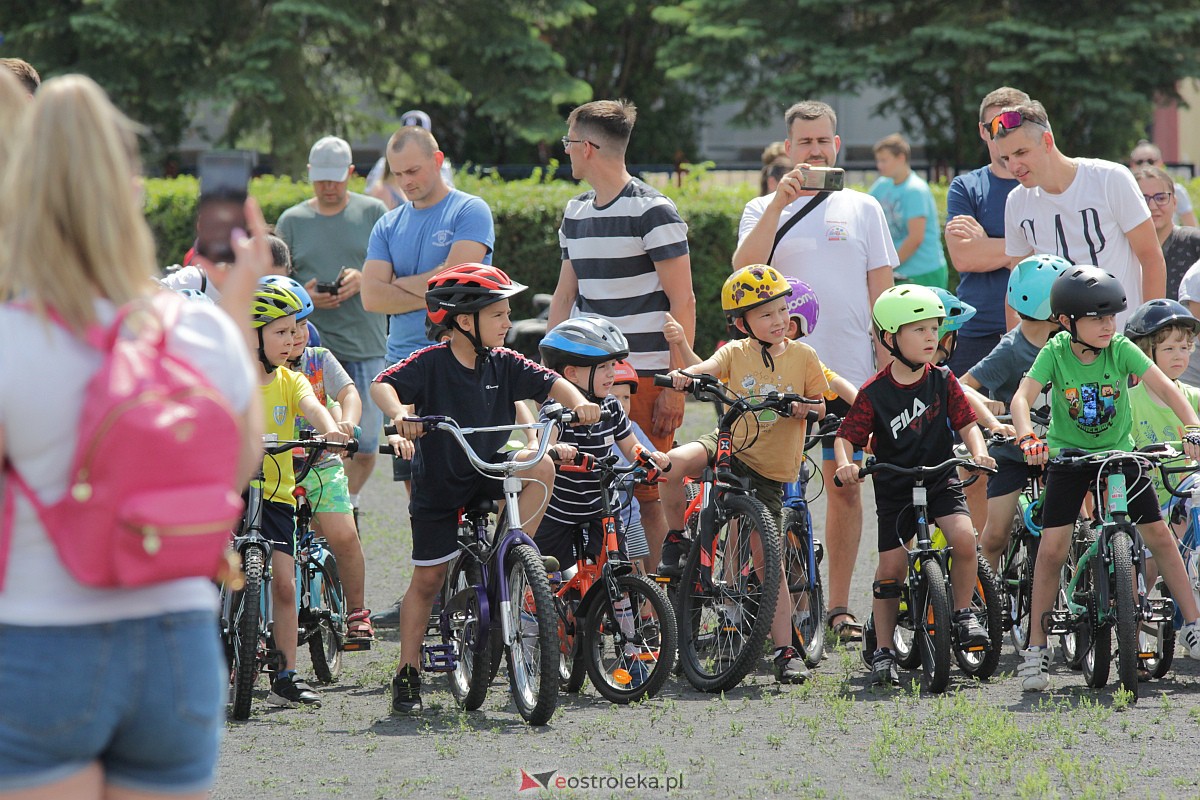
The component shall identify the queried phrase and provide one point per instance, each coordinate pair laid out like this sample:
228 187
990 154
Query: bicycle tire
706 622
904 636
1162 634
613 670
807 595
1081 538
572 672
933 631
532 667
471 677
986 604
1094 640
325 643
247 629
1020 593
1128 655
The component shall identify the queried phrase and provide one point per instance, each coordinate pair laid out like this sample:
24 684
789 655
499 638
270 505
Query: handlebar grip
838 482
810 417
390 430
663 380
352 446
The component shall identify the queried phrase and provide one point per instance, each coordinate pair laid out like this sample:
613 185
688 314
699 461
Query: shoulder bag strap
791 223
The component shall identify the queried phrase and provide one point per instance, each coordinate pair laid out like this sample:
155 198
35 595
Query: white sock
354 500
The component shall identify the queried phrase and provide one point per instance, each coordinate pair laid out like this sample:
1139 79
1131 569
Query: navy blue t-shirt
982 195
435 382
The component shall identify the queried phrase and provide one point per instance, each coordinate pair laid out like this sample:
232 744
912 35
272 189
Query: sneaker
968 630
674 551
1034 671
1189 635
790 667
387 619
291 692
883 668
406 692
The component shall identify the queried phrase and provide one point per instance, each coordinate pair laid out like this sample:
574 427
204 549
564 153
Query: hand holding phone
224 184
822 179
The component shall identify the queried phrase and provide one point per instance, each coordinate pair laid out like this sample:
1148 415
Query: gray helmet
583 342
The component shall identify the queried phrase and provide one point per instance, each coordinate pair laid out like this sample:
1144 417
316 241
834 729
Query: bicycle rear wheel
723 626
1018 582
1093 639
807 595
1081 539
986 606
533 657
1158 638
247 631
471 676
572 672
1128 652
629 646
329 610
933 626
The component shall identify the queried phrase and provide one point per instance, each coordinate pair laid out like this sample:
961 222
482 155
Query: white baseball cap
329 160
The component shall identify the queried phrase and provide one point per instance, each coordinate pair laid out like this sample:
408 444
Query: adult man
911 214
327 235
625 257
1146 154
24 72
975 239
843 249
1087 210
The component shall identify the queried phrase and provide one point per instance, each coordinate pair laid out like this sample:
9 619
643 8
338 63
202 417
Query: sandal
849 629
360 633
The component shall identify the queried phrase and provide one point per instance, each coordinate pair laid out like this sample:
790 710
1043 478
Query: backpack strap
13 483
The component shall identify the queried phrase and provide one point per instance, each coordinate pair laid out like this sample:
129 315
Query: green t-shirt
1089 403
1153 423
321 245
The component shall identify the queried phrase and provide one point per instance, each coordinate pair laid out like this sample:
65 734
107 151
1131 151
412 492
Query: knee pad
887 589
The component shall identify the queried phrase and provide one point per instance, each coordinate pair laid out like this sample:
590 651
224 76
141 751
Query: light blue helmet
293 286
958 313
1030 282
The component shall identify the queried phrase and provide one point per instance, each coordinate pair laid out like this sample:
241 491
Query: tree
1097 66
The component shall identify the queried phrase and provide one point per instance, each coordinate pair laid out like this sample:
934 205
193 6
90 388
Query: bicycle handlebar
274 446
585 462
872 466
707 387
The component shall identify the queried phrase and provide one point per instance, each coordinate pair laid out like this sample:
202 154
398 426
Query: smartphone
224 184
329 288
822 179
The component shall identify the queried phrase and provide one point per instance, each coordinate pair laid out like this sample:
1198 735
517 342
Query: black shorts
561 539
894 510
278 525
434 509
1011 476
1067 486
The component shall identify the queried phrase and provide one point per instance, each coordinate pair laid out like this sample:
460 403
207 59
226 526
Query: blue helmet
582 342
293 286
958 313
1030 282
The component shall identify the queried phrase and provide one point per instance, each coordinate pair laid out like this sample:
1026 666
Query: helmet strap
768 360
262 355
1087 348
951 343
481 352
894 349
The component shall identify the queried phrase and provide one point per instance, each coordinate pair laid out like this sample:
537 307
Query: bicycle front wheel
1093 639
986 606
629 646
329 610
572 673
471 676
1018 581
533 657
247 628
804 587
1128 652
724 621
932 625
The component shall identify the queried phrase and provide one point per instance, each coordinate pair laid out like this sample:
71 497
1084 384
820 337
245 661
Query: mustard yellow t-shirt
777 441
281 400
830 376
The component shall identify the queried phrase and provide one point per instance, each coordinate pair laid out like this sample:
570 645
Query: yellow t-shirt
281 400
830 375
777 441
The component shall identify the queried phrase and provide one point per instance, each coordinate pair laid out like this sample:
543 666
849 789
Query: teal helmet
958 313
1030 282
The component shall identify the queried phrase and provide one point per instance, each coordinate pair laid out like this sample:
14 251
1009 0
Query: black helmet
1086 291
1153 315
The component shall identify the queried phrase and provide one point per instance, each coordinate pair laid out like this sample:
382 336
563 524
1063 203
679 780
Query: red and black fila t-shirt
908 425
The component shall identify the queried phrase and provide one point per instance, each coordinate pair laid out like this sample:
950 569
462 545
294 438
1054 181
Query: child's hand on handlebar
984 460
848 474
337 436
800 409
401 446
1003 430
563 453
586 414
1191 442
1034 449
410 430
680 380
994 406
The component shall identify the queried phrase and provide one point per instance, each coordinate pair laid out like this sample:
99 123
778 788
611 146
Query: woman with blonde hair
115 693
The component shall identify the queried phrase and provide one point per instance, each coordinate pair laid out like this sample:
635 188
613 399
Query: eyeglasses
1160 199
1011 120
566 143
1145 162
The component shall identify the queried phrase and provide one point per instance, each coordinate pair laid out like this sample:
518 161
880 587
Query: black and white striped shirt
613 250
576 495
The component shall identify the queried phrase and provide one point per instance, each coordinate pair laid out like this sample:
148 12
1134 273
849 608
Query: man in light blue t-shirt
438 227
911 215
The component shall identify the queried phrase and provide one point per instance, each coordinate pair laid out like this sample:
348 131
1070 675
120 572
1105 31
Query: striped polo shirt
576 496
613 249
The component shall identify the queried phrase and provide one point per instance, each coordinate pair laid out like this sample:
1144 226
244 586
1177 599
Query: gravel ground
832 737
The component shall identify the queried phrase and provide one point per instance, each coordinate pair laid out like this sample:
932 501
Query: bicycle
728 590
1185 505
925 596
247 614
320 601
498 582
1108 587
613 623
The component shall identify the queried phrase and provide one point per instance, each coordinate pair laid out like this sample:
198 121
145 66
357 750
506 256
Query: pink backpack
152 493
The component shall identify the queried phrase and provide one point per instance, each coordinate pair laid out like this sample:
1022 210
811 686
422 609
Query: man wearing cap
328 237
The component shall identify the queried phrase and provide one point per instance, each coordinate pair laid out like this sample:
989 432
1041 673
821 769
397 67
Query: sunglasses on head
1010 120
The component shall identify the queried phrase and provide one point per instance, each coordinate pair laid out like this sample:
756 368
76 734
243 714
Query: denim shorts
144 697
362 373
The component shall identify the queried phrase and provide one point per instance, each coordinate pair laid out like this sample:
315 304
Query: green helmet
903 304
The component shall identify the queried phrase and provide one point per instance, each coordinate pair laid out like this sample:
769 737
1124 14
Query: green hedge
527 214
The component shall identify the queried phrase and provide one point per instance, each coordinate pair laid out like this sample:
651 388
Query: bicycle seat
481 505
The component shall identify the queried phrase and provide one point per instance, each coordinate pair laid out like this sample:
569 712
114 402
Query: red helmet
466 289
627 374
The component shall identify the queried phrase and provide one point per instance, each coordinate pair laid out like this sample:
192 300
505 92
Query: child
907 411
1090 356
803 309
285 394
958 314
999 373
585 351
326 483
769 452
625 386
474 380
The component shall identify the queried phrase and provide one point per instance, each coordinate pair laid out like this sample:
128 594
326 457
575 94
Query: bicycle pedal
1144 656
438 658
356 647
665 580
